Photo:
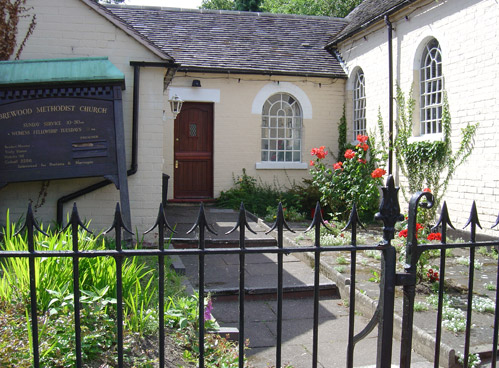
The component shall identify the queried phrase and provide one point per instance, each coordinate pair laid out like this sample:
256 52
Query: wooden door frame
210 183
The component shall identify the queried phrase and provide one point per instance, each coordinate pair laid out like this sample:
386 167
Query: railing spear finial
242 221
389 209
118 223
160 221
75 221
202 222
280 221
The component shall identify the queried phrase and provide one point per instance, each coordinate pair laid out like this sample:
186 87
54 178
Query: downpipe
135 147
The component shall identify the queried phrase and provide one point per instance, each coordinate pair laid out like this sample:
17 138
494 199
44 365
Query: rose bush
353 180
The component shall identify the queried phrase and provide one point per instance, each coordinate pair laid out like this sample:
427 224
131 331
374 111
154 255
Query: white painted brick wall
75 30
468 32
238 131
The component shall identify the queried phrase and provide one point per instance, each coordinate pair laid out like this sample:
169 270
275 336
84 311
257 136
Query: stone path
261 317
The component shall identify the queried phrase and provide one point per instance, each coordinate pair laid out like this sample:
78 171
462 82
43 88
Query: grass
340 269
420 307
490 286
465 261
341 260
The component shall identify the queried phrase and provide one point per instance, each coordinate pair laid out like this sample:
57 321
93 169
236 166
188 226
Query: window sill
427 137
281 165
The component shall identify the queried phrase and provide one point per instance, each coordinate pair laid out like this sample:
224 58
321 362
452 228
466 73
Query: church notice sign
50 136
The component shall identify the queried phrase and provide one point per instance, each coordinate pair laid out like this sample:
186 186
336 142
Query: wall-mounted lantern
175 105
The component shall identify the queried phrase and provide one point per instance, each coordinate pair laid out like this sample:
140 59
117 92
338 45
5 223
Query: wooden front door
193 145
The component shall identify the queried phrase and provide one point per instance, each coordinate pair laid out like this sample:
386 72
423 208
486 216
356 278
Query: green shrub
262 199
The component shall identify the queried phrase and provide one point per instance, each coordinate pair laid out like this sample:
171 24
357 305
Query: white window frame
281 133
359 105
431 89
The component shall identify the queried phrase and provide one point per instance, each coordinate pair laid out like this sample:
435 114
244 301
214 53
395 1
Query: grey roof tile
366 13
238 41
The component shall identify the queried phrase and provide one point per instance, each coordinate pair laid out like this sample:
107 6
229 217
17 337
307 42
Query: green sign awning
60 71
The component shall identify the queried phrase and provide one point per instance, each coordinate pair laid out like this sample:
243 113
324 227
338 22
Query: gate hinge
402 279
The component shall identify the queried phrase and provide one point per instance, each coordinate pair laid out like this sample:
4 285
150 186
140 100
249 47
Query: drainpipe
135 143
390 96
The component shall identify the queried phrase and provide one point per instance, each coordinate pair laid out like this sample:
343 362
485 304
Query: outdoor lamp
175 105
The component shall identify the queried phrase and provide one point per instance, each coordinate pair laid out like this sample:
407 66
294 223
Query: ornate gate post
389 213
408 279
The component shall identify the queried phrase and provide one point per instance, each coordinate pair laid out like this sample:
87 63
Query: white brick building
241 60
467 36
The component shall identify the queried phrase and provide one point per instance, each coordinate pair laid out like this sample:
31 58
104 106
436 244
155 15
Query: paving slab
222 272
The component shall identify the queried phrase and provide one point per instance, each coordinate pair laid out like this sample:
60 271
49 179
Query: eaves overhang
200 69
363 26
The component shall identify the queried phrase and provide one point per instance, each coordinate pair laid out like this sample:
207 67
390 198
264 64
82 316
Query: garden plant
426 163
97 307
355 180
262 199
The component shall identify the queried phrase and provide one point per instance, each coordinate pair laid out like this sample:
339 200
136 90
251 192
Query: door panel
193 146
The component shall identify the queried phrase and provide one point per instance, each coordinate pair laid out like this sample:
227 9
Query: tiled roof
368 12
238 41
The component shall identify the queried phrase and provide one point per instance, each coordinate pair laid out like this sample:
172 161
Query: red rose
427 190
349 154
403 233
338 165
434 236
319 152
364 146
378 173
362 161
362 138
312 163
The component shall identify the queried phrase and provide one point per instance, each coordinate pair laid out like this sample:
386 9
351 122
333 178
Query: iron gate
389 214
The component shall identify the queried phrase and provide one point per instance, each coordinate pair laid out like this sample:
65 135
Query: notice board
60 132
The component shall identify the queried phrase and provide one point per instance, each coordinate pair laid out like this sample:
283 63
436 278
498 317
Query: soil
148 348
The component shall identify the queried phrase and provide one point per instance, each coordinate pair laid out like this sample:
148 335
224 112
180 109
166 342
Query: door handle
176 164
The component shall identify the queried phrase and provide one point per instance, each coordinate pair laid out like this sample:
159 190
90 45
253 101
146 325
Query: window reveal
359 105
281 129
431 89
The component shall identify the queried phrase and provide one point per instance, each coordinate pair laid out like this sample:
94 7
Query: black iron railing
383 317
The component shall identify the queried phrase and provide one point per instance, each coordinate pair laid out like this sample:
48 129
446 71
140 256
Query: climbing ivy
428 164
379 143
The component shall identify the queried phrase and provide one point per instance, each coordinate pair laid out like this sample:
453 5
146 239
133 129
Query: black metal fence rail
383 318
408 279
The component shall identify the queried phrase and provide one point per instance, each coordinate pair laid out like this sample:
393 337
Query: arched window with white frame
281 129
431 89
359 104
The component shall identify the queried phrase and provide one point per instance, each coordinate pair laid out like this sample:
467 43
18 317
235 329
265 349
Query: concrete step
270 293
189 243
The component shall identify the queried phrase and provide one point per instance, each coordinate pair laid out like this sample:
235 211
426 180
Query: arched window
359 104
431 89
281 129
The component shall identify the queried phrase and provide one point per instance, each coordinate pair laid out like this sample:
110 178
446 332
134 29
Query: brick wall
237 136
468 35
75 30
